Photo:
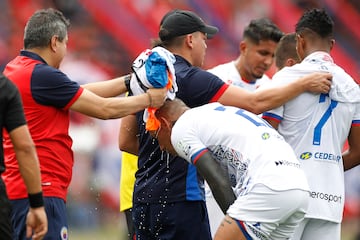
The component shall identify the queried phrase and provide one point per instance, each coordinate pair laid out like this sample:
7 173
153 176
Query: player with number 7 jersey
317 126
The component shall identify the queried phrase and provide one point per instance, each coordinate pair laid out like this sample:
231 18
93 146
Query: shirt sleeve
356 119
51 87
185 140
200 87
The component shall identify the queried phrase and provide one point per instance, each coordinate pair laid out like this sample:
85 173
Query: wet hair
286 49
42 26
316 20
172 109
262 29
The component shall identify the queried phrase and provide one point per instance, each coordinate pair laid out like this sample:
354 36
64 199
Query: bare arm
351 157
36 221
109 88
270 98
128 139
217 179
116 107
27 158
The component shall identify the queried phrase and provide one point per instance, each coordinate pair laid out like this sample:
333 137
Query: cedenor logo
305 155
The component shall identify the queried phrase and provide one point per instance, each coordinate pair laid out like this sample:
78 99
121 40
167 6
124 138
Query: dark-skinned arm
351 157
217 179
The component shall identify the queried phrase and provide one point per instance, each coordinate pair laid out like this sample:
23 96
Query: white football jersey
317 126
229 74
246 146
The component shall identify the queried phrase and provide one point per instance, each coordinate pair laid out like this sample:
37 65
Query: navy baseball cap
181 22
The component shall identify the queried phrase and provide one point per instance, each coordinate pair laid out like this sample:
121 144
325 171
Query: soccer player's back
317 126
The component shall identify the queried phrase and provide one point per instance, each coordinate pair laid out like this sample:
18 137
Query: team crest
64 233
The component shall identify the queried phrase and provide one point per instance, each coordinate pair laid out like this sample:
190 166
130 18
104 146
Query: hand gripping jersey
317 126
247 148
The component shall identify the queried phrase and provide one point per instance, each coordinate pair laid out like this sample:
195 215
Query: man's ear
53 43
189 40
165 124
290 62
242 46
332 43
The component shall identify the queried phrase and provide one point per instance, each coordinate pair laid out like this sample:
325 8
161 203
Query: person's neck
43 53
313 49
245 76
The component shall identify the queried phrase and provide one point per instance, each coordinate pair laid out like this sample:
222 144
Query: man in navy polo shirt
169 193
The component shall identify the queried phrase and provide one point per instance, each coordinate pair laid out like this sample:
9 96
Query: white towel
150 70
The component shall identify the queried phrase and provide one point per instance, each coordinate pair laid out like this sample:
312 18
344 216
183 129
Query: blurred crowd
104 39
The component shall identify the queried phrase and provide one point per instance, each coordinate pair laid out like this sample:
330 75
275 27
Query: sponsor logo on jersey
256 230
265 136
320 156
305 155
327 156
326 197
287 163
185 148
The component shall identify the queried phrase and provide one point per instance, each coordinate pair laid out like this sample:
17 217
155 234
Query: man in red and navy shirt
48 95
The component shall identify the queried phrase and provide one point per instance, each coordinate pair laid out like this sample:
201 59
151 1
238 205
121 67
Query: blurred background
106 36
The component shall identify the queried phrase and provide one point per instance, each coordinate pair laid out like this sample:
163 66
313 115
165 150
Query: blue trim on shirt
272 115
193 191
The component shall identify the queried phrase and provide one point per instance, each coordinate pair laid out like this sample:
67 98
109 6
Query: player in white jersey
229 73
257 48
256 57
239 153
317 126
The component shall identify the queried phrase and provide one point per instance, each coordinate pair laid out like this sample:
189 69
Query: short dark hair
42 26
318 21
262 29
286 49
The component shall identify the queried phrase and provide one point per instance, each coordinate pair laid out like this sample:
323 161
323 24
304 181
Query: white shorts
269 214
310 229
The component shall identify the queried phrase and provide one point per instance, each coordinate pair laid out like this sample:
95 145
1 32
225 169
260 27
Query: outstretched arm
108 88
217 179
269 98
116 107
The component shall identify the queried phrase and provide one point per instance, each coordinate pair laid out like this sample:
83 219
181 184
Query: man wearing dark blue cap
180 22
168 200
